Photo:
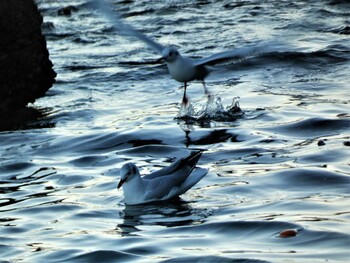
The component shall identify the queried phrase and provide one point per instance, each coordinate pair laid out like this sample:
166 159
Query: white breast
182 69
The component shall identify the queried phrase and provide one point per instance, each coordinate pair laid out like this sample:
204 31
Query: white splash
213 110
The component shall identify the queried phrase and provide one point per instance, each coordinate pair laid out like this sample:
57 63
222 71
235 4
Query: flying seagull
163 184
183 68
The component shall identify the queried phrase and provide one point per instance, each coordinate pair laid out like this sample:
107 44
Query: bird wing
125 28
190 160
236 54
165 183
159 188
196 175
168 187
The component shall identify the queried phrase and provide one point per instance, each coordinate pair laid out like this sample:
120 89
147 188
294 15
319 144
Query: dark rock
67 11
321 143
25 69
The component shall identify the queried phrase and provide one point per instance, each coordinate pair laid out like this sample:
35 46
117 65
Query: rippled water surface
280 164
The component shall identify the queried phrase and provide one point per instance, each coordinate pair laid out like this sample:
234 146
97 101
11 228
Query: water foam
213 110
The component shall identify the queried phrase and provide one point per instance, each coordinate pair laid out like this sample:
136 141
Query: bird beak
121 182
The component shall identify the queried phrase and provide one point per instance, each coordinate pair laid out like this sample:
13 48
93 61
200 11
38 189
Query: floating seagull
183 68
161 185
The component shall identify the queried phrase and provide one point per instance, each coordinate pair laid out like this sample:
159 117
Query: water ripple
278 181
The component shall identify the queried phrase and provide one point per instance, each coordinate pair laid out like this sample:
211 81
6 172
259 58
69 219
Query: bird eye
134 171
171 53
128 173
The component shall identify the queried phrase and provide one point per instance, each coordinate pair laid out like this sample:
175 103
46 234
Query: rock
67 11
321 143
25 69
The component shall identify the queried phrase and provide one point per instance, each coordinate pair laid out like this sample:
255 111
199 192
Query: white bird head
127 172
170 54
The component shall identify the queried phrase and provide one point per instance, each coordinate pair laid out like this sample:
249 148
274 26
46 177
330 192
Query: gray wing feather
237 54
190 160
196 175
176 184
125 28
170 179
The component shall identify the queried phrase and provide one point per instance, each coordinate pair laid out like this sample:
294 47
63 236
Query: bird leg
206 91
184 98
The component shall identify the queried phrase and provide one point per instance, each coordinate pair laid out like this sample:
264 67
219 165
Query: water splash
213 110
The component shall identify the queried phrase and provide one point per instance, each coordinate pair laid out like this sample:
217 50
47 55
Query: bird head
169 54
128 171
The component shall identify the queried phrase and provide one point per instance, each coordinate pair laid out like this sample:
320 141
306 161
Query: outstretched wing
125 28
237 54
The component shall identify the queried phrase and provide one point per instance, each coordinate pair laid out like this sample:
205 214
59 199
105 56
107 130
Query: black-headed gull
161 185
183 68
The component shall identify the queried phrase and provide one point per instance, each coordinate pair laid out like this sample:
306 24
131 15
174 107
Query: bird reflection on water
160 214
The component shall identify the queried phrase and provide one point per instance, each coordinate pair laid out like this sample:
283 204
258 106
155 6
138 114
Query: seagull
163 184
183 68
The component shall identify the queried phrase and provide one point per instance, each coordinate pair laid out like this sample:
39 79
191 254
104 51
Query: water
279 162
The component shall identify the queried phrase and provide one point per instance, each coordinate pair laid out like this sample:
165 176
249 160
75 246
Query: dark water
282 164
